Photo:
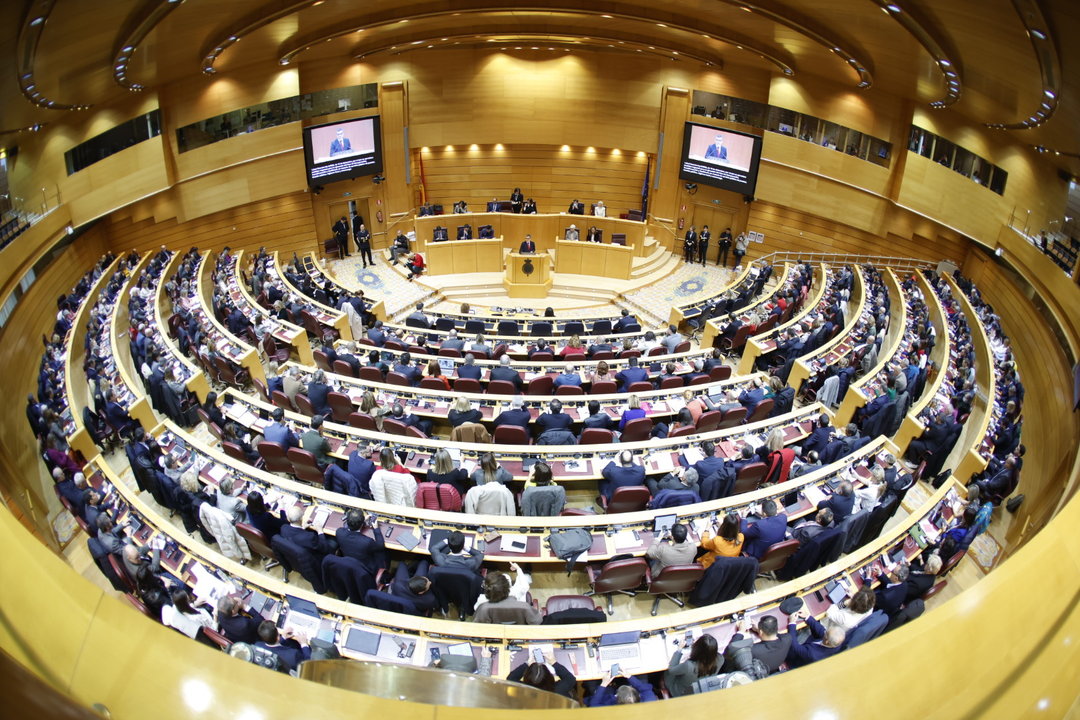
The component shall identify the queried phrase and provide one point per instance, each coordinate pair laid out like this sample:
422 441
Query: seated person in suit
631 374
668 373
451 553
752 396
515 414
670 547
452 342
353 543
597 418
290 648
819 437
376 334
414 586
417 318
821 644
527 245
572 233
599 209
316 444
594 235
304 536
529 208
500 605
809 529
633 411
469 369
426 209
840 502
892 591
569 376
480 345
621 472
507 373
440 234
626 320
493 206
464 232
576 207
238 623
771 648
486 232
398 412
461 207
763 532
405 367
317 392
554 419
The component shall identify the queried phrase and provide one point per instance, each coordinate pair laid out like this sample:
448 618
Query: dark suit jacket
840 505
289 651
890 598
473 372
310 540
600 420
817 440
763 533
750 398
812 651
507 373
277 433
520 418
553 421
527 246
617 476
316 393
631 375
411 372
242 627
369 551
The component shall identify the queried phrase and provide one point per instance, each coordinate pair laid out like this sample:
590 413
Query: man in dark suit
716 151
598 418
505 372
577 207
892 591
340 145
762 533
493 206
341 233
464 232
569 376
362 468
514 415
527 245
363 241
289 649
316 444
631 374
487 232
822 643
752 396
450 552
399 413
277 432
841 502
625 320
820 436
376 334
452 342
417 318
709 464
623 473
238 623
555 419
440 234
304 536
415 586
771 648
690 243
725 245
470 369
317 392
405 367
353 543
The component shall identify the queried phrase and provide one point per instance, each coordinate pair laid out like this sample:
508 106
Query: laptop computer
363 641
303 616
620 648
261 604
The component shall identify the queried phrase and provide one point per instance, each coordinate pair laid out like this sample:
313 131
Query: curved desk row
574 644
765 342
812 363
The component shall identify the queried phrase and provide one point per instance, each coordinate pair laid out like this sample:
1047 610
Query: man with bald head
821 644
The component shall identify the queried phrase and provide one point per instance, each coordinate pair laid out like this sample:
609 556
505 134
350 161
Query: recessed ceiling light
944 63
660 25
1049 93
606 16
37 21
1038 33
892 8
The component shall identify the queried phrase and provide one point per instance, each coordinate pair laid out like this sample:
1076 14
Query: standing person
690 244
516 200
725 245
341 234
363 243
703 244
741 244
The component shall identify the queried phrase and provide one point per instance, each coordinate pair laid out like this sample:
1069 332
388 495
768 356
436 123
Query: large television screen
342 150
721 158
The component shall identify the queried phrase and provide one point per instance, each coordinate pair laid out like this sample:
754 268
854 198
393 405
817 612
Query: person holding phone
618 688
701 662
548 675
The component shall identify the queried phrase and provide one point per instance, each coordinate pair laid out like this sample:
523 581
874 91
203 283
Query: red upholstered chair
501 387
574 511
237 453
510 435
603 355
736 342
258 544
393 427
658 350
596 436
604 387
322 360
432 383
674 580
450 353
304 466
303 404
761 412
540 385
371 373
682 431
343 368
468 385
274 457
935 590
639 386
558 603
720 372
731 418
626 499
632 352
541 357
212 638
393 378
749 477
569 390
776 556
340 406
273 350
141 607
362 421
264 392
708 421
670 383
699 380
637 430
281 400
438 496
618 576
682 347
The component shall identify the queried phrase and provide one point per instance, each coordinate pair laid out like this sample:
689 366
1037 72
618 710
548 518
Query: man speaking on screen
341 144
717 151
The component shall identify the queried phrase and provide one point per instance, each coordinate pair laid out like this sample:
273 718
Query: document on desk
675 404
208 587
319 518
576 467
625 540
662 462
813 494
693 455
217 473
513 543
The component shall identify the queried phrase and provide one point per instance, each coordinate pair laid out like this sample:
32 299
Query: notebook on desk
362 641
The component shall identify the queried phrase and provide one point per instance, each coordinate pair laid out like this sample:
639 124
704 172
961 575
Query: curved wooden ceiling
979 58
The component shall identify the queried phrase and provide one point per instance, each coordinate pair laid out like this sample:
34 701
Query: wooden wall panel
117 180
550 176
283 223
842 103
22 474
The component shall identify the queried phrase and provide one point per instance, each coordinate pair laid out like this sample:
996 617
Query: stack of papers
625 540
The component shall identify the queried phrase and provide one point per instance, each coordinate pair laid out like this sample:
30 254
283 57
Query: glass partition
961 160
112 141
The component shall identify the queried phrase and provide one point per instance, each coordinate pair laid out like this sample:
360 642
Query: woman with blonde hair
369 405
573 347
